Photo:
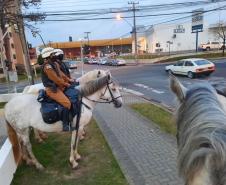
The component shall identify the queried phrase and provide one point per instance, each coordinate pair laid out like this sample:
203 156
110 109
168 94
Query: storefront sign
179 29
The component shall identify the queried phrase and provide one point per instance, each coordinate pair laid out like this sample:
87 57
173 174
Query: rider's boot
66 120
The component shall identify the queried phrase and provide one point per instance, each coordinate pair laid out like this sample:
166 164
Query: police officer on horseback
55 82
59 58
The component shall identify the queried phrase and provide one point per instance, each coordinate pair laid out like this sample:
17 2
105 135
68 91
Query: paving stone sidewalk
146 155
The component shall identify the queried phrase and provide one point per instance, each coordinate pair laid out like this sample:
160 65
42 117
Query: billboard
197 20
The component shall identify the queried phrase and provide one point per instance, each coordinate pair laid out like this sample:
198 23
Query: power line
141 8
128 17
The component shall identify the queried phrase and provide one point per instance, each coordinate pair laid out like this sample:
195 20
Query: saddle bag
50 110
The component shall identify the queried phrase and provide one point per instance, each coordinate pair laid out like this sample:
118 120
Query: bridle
113 99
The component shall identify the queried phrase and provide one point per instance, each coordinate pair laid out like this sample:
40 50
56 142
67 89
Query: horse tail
14 141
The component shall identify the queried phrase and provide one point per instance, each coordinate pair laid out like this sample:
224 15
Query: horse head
201 134
107 88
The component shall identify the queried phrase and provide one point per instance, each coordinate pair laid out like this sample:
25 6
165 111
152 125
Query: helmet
58 52
46 52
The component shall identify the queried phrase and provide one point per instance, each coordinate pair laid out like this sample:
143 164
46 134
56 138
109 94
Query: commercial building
97 47
175 37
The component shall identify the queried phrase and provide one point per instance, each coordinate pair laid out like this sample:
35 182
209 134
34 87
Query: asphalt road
150 80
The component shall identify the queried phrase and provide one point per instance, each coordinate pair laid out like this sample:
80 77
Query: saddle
52 111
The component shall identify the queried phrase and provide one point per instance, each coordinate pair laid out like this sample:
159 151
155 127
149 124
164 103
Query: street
148 80
152 81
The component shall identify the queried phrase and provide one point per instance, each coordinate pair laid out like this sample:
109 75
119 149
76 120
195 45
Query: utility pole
134 26
5 45
24 46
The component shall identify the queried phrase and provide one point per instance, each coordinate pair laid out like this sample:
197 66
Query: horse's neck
95 97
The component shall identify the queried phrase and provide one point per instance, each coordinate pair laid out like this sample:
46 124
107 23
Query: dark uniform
64 68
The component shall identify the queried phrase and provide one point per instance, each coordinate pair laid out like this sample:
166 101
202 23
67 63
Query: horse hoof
78 159
40 141
82 138
40 167
75 168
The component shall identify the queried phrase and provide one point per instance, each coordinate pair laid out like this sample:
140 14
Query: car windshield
201 62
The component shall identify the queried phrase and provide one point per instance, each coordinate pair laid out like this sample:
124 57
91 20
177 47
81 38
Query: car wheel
190 75
208 49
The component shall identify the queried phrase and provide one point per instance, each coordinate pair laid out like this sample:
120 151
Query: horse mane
91 75
94 85
201 133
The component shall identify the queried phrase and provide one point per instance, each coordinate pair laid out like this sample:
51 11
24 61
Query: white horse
201 133
23 112
34 89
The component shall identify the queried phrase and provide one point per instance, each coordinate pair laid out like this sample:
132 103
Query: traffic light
86 49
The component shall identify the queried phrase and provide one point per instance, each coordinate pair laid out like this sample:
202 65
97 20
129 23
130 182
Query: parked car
211 46
103 61
118 62
121 62
71 64
191 67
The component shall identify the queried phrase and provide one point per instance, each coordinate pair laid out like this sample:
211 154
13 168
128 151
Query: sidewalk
162 58
146 155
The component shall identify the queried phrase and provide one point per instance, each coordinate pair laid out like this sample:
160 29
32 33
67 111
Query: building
175 37
11 45
97 47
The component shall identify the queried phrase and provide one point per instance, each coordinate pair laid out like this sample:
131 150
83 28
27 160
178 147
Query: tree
11 14
220 31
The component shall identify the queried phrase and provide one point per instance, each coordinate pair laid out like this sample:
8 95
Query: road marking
149 88
132 91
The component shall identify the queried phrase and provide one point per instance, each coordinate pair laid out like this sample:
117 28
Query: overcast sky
103 29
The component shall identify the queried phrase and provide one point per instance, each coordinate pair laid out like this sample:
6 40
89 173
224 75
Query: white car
191 67
211 46
121 62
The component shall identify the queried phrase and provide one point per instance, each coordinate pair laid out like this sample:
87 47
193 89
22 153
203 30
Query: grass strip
97 167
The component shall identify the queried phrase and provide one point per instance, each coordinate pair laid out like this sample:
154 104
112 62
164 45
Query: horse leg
82 136
27 145
25 155
40 136
43 135
76 154
72 160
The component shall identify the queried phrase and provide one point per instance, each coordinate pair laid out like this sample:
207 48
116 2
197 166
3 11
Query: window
188 63
215 42
180 63
14 56
202 62
12 45
158 45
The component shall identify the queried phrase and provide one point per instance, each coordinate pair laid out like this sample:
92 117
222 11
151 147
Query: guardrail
7 162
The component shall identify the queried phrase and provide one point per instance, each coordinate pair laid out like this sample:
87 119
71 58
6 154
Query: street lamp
169 43
81 54
118 17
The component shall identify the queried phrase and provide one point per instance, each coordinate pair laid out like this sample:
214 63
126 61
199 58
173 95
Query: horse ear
98 74
177 88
